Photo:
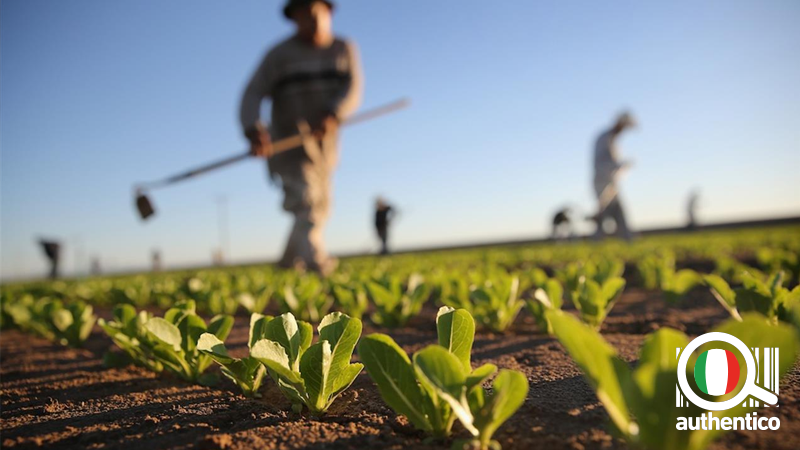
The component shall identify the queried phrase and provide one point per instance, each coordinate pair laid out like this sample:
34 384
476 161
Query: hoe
145 206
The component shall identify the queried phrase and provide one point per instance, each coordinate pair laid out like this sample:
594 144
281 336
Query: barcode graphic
767 375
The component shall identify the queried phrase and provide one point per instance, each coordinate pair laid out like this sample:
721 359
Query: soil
57 397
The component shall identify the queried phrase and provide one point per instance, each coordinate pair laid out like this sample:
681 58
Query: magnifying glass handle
763 395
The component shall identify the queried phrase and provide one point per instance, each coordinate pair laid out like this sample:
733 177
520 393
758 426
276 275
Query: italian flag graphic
716 372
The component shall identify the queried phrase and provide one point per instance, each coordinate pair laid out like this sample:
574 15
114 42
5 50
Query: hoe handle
277 146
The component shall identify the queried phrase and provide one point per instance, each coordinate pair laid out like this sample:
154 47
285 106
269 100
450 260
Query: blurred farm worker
562 224
691 208
607 170
52 250
314 81
383 217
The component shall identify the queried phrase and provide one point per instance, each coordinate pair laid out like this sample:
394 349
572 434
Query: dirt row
57 397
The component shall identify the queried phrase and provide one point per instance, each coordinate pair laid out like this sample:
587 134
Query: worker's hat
292 4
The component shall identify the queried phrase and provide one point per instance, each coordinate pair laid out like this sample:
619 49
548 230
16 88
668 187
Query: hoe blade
144 206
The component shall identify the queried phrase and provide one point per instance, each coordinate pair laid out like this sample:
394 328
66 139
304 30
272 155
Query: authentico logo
721 383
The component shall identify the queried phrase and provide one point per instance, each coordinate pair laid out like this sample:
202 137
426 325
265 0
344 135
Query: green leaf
442 371
388 365
480 375
342 332
220 326
215 348
509 391
606 373
165 332
315 366
456 331
273 355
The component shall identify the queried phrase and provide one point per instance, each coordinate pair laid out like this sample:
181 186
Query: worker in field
383 217
691 208
313 79
562 224
607 170
52 251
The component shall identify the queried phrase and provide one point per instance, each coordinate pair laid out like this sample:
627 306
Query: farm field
81 396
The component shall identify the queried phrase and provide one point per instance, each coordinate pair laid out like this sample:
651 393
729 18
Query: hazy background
507 100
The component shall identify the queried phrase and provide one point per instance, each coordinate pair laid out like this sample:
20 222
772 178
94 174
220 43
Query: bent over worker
607 169
314 81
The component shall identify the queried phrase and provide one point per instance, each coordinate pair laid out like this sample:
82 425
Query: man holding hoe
314 81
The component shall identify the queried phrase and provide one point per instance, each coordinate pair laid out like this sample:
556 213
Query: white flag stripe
716 371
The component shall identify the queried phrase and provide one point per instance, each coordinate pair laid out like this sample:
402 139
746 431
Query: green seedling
170 341
594 301
641 402
248 373
310 375
546 298
351 298
306 298
395 305
440 385
768 298
494 304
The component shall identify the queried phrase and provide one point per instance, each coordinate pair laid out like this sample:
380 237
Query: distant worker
96 267
313 79
691 208
383 217
562 224
155 258
52 250
607 169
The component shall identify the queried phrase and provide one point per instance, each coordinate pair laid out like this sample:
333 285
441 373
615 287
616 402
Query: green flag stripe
700 372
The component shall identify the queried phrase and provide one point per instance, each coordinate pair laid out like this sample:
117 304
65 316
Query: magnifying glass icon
749 388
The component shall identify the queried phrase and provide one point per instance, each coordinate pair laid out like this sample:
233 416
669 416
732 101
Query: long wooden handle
279 146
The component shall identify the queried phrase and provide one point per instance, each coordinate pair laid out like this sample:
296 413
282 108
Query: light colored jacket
606 161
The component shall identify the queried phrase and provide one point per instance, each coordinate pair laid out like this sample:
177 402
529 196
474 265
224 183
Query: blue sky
507 99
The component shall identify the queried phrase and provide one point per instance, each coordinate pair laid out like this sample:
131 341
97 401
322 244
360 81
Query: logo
718 386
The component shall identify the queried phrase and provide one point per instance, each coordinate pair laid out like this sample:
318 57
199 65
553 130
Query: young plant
494 304
594 301
171 341
256 302
310 375
440 385
546 298
768 298
394 305
129 334
351 298
248 373
306 298
641 402
658 272
49 318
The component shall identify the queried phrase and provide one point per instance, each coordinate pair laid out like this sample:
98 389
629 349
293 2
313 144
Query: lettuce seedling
129 334
641 402
351 298
440 385
594 301
306 298
658 272
394 305
51 319
768 298
310 375
256 302
494 304
170 341
248 373
545 298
